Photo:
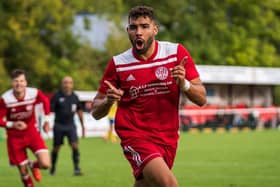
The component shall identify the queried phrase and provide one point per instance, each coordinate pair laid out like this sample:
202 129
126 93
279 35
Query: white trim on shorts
41 151
22 163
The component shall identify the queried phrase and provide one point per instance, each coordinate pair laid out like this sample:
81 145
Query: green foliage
217 32
4 81
92 63
37 36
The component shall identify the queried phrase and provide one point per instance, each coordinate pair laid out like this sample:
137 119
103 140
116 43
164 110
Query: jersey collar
151 57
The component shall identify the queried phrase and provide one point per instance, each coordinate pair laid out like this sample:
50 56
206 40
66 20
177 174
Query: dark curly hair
142 10
17 72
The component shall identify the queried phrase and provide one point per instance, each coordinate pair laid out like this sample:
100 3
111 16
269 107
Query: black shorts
61 130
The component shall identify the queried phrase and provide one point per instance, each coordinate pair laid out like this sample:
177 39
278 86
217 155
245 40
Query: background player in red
146 80
17 115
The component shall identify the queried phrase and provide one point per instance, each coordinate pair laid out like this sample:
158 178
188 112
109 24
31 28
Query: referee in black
64 104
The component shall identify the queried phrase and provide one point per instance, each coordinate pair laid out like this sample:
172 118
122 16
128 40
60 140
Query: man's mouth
139 44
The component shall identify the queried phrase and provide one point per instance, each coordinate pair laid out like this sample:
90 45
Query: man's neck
19 95
149 53
67 92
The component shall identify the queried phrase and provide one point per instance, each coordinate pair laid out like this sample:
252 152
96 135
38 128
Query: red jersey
150 104
13 109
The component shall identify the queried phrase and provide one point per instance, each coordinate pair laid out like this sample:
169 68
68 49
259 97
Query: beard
145 48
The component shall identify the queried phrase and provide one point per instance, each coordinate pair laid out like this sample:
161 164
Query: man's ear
26 83
156 27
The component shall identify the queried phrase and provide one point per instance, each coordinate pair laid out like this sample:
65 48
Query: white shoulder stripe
166 49
143 66
11 101
9 97
125 58
31 93
25 102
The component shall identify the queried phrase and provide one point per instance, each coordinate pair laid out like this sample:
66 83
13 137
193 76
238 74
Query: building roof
239 75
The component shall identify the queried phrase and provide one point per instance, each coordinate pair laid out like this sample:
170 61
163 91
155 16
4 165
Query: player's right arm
3 113
100 106
108 92
19 125
103 102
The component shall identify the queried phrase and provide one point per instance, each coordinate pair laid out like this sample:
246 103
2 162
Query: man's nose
139 31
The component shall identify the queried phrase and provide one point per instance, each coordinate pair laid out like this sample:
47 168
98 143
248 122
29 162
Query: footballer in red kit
22 109
151 96
17 116
146 81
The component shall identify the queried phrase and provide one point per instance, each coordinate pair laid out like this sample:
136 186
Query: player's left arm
196 91
187 78
41 98
80 113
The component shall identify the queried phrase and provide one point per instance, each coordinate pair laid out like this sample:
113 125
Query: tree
33 36
229 32
37 35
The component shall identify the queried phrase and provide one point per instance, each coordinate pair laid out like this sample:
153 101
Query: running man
17 115
146 81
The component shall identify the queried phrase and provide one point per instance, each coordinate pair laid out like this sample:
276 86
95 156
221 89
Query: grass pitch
243 159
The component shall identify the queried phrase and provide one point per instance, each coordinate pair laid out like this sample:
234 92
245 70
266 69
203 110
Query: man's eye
132 27
145 26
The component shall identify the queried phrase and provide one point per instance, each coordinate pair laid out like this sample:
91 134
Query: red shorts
17 147
140 152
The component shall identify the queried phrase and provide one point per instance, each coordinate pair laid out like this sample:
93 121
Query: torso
21 110
65 107
149 106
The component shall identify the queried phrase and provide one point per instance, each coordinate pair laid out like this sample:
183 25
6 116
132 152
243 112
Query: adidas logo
130 78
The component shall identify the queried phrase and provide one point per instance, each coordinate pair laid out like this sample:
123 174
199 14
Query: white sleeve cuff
9 124
187 85
47 118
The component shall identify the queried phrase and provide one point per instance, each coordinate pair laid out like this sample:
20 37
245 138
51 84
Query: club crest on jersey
161 73
29 107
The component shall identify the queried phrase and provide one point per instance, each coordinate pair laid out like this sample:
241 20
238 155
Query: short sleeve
109 75
191 71
45 100
3 112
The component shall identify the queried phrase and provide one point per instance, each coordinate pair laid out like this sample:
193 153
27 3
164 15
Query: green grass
244 159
